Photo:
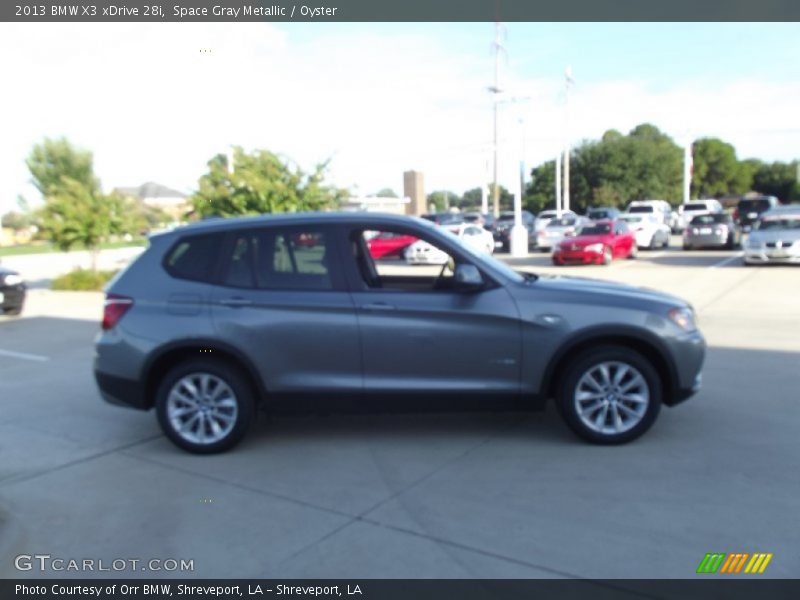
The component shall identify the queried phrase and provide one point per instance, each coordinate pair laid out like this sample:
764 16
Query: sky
154 102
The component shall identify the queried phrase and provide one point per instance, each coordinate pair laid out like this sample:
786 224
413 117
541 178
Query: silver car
775 237
557 229
714 230
218 318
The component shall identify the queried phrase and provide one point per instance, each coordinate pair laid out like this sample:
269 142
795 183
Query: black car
602 213
504 223
444 218
12 292
748 210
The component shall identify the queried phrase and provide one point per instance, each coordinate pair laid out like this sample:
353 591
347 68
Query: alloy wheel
611 397
202 408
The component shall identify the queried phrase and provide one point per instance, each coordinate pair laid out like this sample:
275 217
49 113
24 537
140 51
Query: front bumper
688 352
577 257
763 255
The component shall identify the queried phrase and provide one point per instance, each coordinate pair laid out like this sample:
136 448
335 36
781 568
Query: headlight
683 318
594 248
12 279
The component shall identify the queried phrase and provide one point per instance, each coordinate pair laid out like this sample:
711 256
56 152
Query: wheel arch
643 342
169 355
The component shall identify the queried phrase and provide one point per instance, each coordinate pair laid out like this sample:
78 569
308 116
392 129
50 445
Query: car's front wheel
205 406
610 395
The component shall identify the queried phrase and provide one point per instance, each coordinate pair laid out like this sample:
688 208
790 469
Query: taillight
735 214
114 309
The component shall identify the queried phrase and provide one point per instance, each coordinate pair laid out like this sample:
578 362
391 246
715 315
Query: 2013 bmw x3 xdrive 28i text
219 317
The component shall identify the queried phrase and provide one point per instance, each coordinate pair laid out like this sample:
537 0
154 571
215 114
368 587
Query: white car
775 238
695 208
472 236
544 217
650 232
659 209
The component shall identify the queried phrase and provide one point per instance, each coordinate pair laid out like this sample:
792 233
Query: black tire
729 244
652 245
14 312
583 364
242 395
687 246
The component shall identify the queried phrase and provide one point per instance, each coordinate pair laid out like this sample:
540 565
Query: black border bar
712 586
98 11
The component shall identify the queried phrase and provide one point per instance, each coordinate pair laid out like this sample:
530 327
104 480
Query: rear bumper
121 391
13 298
707 241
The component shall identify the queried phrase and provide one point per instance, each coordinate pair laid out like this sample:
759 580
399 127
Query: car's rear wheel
610 395
205 406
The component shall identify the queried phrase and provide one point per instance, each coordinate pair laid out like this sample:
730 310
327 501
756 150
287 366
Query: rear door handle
236 302
378 306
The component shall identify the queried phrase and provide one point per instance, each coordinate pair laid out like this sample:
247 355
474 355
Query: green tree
75 211
76 215
262 182
717 172
16 220
54 160
471 199
778 179
443 200
386 193
614 170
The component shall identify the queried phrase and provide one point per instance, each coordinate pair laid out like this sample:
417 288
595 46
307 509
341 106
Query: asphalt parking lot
443 495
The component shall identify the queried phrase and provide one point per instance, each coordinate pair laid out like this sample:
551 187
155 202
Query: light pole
688 164
568 81
519 234
495 90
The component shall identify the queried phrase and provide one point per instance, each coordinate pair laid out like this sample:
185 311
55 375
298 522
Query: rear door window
194 257
282 259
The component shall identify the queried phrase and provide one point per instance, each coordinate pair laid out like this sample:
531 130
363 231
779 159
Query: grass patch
82 280
45 248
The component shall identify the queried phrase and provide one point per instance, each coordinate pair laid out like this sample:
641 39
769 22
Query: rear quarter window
194 257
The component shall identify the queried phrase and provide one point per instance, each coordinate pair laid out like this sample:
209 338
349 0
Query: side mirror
468 276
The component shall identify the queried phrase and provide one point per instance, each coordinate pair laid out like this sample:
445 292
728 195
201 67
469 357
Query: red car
598 243
388 244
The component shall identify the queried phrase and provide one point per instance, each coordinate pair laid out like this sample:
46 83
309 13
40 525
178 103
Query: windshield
641 209
600 229
759 205
599 214
695 206
630 219
779 223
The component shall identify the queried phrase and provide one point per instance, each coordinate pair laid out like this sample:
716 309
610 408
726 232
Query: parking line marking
24 356
727 260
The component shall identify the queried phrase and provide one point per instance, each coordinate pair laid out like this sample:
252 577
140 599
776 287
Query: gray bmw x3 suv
218 318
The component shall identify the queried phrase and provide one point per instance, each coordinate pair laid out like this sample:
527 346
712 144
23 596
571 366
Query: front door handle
236 302
378 306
